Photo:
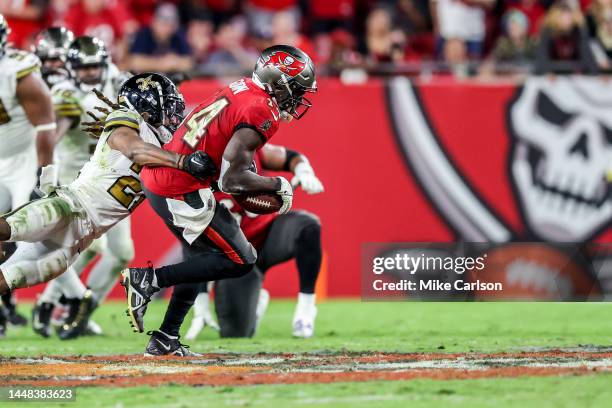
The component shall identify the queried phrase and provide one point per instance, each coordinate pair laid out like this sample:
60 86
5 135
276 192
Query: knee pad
26 273
243 269
311 230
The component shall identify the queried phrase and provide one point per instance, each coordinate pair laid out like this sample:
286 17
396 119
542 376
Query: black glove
198 164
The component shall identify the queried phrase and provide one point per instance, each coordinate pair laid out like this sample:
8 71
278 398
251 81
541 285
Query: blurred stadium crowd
344 37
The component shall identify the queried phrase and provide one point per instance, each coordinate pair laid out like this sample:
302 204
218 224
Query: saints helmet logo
145 83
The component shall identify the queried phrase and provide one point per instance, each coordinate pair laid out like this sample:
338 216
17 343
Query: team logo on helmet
286 63
145 83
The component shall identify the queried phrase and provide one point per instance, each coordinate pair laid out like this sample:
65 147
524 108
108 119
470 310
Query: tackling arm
34 97
127 141
236 178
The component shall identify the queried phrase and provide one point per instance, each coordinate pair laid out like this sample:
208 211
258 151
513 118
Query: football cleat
13 316
93 329
60 312
3 321
41 318
161 344
17 319
304 317
139 289
77 326
71 308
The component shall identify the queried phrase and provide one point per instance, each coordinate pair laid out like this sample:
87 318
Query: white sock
306 301
200 306
52 293
103 276
83 260
71 284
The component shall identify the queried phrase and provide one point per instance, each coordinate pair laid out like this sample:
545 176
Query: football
260 203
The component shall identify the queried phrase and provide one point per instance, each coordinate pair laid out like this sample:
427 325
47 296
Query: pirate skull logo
562 134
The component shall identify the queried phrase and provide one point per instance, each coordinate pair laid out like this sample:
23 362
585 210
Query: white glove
48 179
305 177
286 193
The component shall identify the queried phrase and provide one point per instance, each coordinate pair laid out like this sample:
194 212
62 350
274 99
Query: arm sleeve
259 117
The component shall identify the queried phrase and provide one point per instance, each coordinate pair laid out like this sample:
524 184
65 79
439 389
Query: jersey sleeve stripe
67 112
249 126
123 121
27 71
68 106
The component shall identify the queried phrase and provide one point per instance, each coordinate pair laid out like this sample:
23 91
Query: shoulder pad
65 99
123 117
22 63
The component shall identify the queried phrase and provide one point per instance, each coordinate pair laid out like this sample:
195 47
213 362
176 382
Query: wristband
290 155
46 126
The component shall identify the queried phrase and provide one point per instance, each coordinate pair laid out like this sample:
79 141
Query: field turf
352 326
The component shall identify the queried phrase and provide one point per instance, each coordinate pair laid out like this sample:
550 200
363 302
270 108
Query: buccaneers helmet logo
286 63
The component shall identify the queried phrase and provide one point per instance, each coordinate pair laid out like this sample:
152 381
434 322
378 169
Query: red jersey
254 226
209 127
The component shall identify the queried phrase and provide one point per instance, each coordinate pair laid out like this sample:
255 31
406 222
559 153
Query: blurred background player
27 126
51 47
90 68
240 303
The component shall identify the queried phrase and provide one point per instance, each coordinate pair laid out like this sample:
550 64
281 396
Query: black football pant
221 252
296 235
9 301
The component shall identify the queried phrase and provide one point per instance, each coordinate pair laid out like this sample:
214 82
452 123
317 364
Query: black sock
200 268
9 302
308 257
182 299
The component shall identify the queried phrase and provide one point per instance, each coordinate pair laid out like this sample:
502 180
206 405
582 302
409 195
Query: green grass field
358 326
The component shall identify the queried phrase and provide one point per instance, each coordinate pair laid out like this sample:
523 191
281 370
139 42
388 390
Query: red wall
370 194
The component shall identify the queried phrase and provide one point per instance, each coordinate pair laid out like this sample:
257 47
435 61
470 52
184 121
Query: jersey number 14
199 122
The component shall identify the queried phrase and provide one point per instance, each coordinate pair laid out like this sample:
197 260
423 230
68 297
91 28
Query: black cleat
3 322
41 318
71 306
161 344
17 319
139 289
14 317
77 326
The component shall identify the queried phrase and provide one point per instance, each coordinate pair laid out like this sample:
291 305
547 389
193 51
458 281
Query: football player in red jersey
229 127
240 303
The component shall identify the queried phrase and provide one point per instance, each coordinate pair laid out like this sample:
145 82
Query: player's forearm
247 182
146 154
45 141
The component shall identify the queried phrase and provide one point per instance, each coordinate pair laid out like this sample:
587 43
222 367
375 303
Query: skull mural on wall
562 134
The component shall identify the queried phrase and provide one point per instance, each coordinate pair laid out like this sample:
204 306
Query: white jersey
76 147
108 186
16 131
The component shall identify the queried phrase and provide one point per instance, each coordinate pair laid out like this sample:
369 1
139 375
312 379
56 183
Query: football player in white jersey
27 122
64 223
51 47
88 62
